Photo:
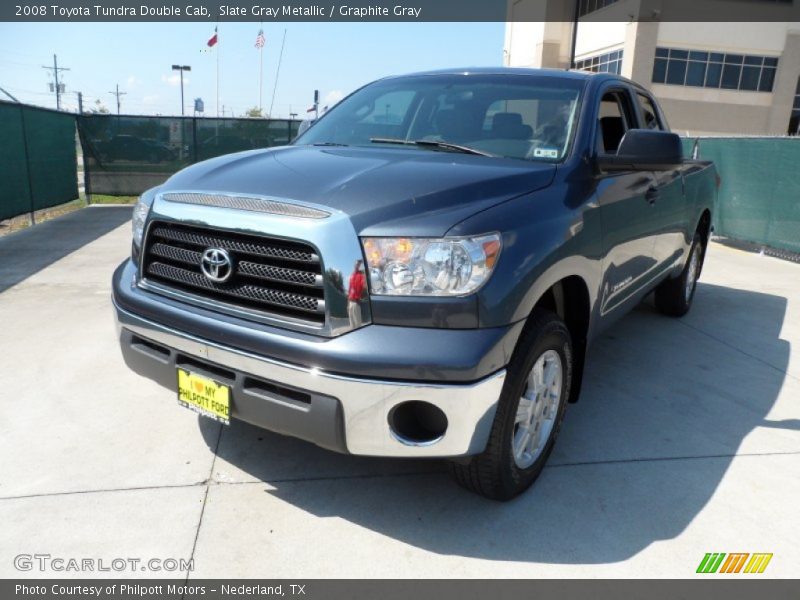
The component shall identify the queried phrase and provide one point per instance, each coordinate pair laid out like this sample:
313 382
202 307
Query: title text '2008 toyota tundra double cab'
420 273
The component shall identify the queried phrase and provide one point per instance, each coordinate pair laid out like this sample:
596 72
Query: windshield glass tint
514 116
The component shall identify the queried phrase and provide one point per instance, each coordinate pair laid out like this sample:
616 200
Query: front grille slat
250 269
265 249
190 257
273 277
271 273
252 292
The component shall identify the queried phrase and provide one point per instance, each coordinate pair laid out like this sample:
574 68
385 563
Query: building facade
711 78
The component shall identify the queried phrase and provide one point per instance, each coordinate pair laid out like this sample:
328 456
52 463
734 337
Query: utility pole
117 94
80 103
55 69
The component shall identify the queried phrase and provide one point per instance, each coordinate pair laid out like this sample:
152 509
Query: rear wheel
529 413
674 297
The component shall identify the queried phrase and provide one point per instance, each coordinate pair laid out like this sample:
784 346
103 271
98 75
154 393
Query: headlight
140 212
429 266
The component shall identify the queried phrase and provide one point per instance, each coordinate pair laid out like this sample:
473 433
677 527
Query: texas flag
213 39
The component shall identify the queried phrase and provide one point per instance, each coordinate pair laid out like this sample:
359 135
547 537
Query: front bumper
340 412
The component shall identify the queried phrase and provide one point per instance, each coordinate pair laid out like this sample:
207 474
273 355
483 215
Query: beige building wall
690 110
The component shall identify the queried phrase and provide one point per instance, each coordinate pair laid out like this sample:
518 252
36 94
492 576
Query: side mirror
644 150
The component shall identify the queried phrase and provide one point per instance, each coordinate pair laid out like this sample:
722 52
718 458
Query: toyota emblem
216 264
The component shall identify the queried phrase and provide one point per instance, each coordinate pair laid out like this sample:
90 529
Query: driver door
629 218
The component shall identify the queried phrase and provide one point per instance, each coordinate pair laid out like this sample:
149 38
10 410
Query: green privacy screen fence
125 155
37 159
759 198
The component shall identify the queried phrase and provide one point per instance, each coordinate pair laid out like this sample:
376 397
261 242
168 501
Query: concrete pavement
686 440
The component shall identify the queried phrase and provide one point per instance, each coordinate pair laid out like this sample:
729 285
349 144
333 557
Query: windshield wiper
431 143
328 144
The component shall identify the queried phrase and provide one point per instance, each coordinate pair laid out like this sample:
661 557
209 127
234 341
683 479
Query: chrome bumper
365 403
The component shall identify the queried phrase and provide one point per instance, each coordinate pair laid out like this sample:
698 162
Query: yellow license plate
204 396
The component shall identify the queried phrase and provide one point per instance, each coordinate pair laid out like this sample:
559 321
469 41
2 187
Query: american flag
260 39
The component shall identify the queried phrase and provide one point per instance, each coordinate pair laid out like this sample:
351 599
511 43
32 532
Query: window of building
602 63
794 121
588 6
674 66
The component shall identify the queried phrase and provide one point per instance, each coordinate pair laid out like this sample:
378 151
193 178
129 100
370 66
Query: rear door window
614 119
649 112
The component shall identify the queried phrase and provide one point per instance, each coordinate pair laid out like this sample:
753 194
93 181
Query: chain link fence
126 155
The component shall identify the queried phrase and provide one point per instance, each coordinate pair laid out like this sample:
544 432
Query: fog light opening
417 423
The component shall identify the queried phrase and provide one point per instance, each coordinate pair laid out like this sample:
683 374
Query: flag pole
277 72
216 29
260 71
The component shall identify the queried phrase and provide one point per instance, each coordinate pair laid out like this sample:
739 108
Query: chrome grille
275 277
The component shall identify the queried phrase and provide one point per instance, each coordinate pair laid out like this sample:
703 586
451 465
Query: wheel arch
704 225
571 300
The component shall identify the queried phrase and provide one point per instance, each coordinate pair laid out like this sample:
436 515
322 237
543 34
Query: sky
335 58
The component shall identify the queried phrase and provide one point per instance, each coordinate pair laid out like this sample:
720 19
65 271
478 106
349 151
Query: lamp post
181 68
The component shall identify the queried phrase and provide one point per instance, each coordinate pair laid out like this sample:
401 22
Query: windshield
515 116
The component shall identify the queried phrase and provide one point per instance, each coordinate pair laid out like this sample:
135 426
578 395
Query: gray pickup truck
420 273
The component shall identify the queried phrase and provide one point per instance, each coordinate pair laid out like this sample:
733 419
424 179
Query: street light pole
182 68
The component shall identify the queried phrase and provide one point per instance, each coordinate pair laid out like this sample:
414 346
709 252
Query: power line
55 69
9 95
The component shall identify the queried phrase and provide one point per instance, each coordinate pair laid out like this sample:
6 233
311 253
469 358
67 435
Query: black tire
671 296
495 474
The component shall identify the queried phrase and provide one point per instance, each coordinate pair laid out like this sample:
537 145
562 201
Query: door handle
652 194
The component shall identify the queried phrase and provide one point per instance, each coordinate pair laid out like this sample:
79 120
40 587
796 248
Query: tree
254 113
99 108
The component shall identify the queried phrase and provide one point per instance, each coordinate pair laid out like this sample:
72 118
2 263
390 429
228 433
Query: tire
674 297
500 473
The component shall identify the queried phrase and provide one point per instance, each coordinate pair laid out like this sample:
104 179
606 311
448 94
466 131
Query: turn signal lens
492 250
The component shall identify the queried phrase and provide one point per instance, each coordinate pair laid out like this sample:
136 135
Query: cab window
649 112
614 119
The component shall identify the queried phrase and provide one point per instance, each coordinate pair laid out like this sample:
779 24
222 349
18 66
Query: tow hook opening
417 423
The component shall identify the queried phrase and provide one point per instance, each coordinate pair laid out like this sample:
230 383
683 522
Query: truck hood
385 191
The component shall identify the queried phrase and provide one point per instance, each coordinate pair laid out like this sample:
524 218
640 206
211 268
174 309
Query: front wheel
529 413
674 297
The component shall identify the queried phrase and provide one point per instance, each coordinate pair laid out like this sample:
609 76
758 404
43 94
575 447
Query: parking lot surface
686 440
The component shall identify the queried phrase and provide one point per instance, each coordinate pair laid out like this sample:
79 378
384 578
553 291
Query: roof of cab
555 73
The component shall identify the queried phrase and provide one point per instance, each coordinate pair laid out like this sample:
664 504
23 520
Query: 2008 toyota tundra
420 273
